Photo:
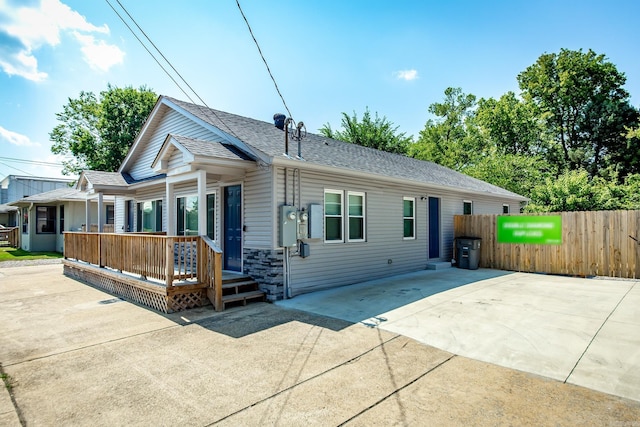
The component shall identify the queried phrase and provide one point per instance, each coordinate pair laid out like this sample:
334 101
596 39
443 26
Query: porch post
202 203
100 213
87 212
171 210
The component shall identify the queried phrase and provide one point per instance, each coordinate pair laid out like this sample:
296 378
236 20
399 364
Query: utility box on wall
316 226
288 226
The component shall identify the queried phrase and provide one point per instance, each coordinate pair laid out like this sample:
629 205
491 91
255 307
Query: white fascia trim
231 139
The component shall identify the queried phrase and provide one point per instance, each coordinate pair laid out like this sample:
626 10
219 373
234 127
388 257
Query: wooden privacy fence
593 244
10 237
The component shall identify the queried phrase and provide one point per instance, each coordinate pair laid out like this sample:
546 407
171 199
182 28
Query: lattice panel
155 300
184 301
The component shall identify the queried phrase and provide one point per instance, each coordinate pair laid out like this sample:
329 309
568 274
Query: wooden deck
166 273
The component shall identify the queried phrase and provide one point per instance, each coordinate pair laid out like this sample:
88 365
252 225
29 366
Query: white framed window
333 216
110 214
356 214
467 207
211 216
45 220
409 217
25 220
505 209
187 216
149 216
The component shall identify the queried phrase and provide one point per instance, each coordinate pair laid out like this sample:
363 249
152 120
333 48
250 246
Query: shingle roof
61 194
105 178
266 138
199 147
6 208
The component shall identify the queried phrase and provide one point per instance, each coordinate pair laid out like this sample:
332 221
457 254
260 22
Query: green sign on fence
535 230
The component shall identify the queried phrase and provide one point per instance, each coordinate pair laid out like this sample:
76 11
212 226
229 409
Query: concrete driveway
578 331
74 355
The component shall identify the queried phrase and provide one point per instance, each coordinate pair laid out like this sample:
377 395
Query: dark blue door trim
434 227
233 228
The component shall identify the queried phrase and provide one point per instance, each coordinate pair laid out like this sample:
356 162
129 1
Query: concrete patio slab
542 324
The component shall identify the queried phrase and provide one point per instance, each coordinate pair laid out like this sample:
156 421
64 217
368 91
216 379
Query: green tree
98 131
582 100
512 125
518 173
453 138
373 132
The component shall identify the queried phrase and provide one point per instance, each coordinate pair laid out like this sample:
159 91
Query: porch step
438 265
244 297
240 288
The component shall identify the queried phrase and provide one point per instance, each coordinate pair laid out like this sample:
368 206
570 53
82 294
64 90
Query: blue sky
394 57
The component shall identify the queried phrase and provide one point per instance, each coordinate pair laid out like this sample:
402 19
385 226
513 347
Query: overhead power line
263 59
31 162
205 112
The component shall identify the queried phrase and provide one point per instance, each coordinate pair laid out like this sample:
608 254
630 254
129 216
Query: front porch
166 273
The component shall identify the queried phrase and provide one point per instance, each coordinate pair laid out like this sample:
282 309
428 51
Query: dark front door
233 228
434 227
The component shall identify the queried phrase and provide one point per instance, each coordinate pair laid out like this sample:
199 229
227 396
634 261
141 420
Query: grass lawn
16 254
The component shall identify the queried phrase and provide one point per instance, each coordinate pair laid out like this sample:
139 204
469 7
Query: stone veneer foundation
266 267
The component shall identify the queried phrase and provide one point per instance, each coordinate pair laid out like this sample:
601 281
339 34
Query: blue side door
233 228
434 227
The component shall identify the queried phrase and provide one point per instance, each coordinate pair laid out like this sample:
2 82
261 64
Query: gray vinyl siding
258 209
385 252
171 122
334 264
119 221
175 160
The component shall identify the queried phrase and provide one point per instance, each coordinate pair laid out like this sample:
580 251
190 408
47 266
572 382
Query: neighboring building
8 216
15 187
338 214
46 216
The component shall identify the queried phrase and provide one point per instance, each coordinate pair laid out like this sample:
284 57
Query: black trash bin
468 252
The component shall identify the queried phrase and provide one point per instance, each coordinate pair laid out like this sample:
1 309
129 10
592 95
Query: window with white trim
356 213
25 220
45 219
409 217
187 216
333 213
467 207
505 209
110 214
149 216
211 216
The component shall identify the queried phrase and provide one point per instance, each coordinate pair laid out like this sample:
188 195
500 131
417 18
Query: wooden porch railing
10 236
93 228
165 258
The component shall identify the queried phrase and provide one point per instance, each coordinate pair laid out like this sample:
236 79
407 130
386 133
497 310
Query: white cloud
16 138
25 29
407 75
22 64
97 53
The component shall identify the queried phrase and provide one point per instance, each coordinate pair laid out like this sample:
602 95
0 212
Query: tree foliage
98 131
569 141
581 98
576 190
373 132
452 138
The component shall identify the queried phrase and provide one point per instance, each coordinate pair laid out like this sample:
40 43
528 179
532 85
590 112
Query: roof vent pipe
278 120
